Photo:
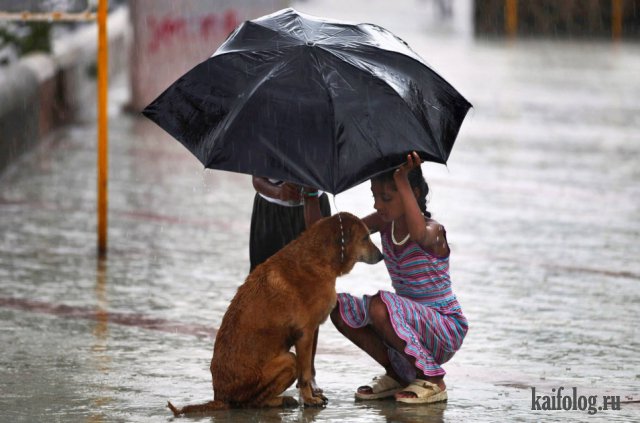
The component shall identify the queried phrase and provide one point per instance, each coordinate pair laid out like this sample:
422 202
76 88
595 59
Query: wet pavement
540 201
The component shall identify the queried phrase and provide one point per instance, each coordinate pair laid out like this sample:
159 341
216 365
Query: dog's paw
320 395
314 402
289 402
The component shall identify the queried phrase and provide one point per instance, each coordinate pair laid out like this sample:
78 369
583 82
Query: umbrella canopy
320 103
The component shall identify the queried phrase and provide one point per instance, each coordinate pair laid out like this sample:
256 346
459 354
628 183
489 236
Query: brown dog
280 305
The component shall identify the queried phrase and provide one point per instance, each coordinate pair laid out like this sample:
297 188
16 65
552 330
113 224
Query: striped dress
424 311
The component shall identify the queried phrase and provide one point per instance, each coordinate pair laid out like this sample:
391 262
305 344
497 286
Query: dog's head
353 242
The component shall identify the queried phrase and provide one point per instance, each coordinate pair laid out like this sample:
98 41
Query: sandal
426 392
381 387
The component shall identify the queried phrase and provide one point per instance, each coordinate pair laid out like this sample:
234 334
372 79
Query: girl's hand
413 161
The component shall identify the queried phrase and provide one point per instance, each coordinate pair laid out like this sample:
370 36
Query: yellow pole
511 17
103 140
616 19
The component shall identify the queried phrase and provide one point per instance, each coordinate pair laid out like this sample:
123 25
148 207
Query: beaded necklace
393 237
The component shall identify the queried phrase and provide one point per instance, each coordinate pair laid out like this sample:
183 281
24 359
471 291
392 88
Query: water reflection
99 348
301 414
403 413
383 410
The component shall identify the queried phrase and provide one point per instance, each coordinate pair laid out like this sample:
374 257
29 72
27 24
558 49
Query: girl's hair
416 180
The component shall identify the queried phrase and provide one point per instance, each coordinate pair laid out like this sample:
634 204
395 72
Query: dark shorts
273 226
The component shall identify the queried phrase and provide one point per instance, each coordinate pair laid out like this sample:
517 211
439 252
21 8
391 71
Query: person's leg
272 227
381 324
263 241
367 340
325 206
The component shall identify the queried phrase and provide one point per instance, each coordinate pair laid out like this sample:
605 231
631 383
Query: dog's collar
341 240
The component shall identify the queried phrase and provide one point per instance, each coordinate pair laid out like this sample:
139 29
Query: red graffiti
172 29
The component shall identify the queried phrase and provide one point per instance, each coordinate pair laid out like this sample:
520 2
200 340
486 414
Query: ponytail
416 180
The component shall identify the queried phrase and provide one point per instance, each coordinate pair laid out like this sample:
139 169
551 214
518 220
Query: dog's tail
198 408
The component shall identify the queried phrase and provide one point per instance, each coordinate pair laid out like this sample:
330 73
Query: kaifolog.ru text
572 401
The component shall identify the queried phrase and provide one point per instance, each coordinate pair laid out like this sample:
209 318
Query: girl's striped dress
424 311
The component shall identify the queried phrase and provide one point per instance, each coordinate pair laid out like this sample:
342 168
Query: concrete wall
19 112
157 40
41 92
171 37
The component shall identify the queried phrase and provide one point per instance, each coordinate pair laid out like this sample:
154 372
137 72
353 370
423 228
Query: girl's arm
435 241
430 235
373 222
412 214
312 212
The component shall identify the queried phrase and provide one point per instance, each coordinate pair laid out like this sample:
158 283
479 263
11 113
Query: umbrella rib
239 105
409 51
306 39
328 37
429 132
333 126
275 32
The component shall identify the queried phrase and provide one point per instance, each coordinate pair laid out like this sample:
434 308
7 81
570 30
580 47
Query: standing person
281 212
420 326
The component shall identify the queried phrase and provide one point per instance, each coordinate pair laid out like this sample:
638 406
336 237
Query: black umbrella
311 101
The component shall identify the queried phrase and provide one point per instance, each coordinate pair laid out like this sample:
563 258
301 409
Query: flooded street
539 198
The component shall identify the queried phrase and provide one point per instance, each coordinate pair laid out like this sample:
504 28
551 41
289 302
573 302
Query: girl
413 331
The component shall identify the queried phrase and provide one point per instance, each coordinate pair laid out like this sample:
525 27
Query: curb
42 92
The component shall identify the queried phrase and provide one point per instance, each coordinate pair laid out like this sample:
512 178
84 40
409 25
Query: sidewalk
539 200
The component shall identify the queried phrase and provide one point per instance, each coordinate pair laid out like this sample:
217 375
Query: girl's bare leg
367 340
381 324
